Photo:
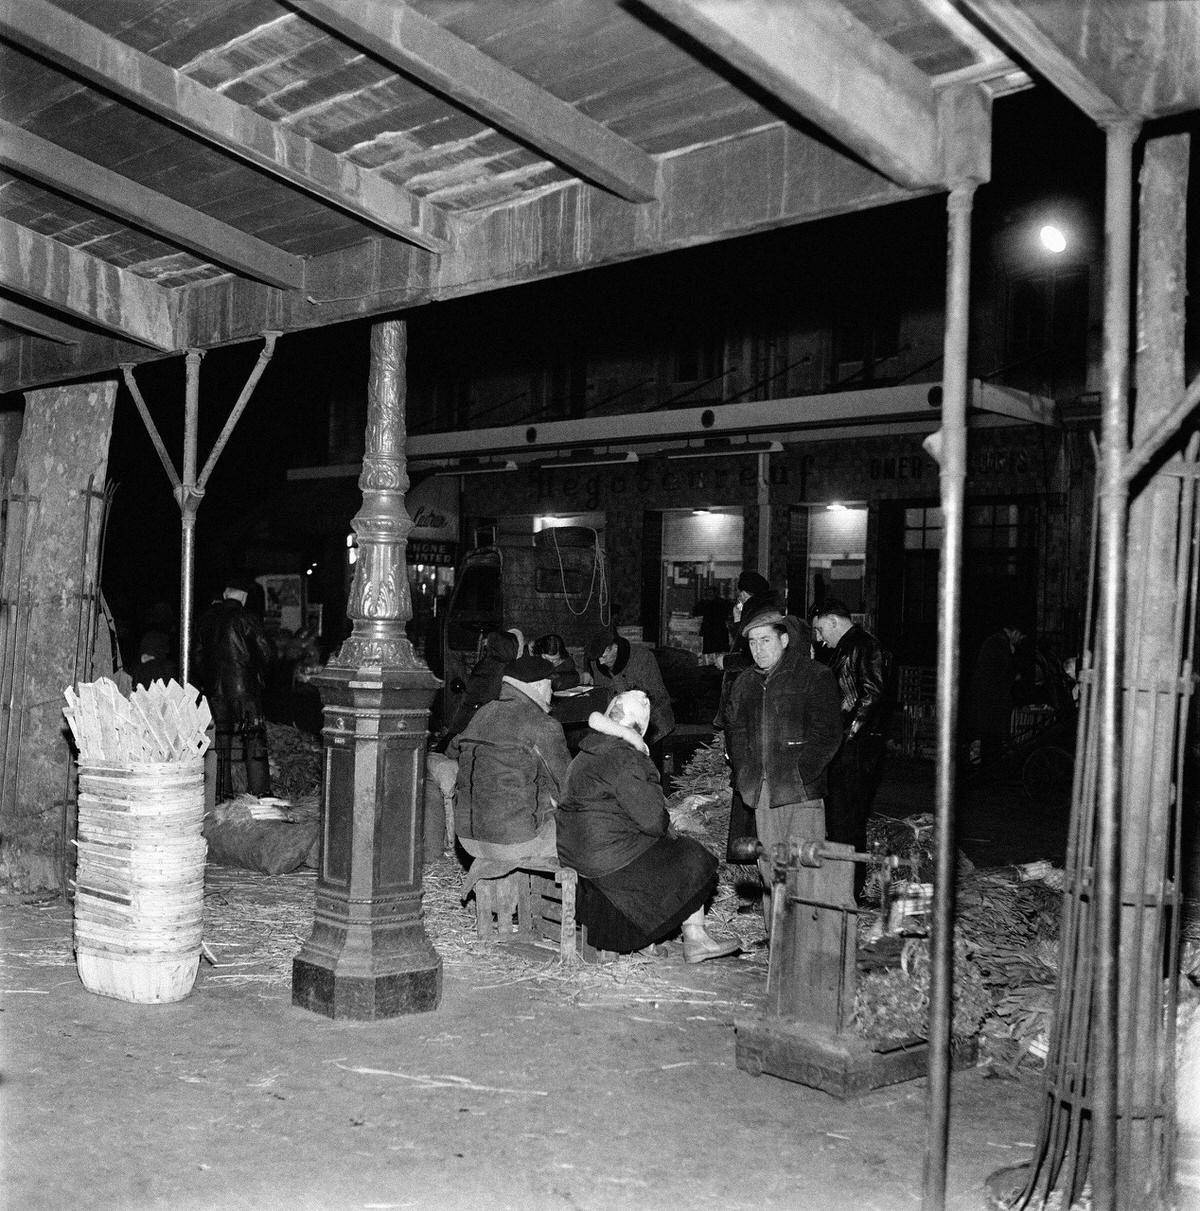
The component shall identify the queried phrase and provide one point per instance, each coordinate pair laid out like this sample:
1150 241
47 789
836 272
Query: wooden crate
532 907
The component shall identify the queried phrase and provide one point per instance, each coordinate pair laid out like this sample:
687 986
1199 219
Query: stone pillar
48 594
368 956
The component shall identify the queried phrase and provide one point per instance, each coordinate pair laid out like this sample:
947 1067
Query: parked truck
557 585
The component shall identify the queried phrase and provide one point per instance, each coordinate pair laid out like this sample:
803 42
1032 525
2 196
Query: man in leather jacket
859 665
233 654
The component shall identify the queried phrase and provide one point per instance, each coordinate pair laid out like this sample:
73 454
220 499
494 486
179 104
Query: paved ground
527 1095
529 1087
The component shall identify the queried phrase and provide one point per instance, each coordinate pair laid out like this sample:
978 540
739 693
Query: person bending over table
638 881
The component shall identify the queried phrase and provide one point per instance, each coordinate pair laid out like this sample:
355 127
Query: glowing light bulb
1053 239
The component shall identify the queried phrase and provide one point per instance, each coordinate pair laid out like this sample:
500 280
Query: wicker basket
139 898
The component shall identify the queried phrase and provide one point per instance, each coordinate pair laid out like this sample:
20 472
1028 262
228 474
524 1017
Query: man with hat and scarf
783 725
512 760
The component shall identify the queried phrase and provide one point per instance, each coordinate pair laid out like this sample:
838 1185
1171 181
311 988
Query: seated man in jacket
512 760
617 665
639 882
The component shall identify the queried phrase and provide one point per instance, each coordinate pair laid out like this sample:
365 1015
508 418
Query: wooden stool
528 904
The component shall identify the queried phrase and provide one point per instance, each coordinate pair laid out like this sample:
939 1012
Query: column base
343 974
365 998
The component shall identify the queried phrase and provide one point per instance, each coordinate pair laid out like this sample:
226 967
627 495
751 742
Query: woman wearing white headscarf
639 882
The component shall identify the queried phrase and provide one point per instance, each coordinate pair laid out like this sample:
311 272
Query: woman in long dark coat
638 881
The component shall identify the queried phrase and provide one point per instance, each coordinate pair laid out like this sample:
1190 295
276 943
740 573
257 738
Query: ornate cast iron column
368 956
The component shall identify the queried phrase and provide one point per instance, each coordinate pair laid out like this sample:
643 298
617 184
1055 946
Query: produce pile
295 761
699 803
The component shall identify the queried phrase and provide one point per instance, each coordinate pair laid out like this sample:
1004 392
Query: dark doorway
999 574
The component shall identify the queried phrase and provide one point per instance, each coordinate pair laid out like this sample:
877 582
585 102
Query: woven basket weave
140 879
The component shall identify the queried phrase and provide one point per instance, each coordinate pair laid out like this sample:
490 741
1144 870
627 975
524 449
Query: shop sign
648 481
433 507
911 466
431 553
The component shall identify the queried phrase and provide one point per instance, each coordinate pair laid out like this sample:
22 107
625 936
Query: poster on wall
283 597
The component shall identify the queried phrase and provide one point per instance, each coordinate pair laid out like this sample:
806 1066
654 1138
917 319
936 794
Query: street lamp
1052 238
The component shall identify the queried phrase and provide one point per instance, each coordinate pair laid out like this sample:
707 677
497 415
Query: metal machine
806 1031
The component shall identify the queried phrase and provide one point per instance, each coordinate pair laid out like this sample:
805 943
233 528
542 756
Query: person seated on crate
554 649
512 760
500 648
617 665
638 881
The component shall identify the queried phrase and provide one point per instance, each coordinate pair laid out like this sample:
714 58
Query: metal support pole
1113 493
950 449
188 497
269 339
1169 427
764 514
188 490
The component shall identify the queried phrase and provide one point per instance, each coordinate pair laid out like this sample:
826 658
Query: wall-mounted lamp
723 449
469 466
589 460
836 507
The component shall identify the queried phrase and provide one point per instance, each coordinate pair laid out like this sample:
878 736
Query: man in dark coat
783 726
617 665
233 655
859 666
991 693
754 597
512 759
500 648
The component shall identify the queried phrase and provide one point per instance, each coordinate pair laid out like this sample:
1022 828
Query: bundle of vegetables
1013 925
295 760
706 774
894 1003
699 804
909 838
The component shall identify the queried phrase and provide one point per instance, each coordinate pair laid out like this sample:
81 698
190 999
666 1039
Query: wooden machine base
844 1065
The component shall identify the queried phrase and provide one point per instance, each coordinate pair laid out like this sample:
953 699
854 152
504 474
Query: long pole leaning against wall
188 487
949 447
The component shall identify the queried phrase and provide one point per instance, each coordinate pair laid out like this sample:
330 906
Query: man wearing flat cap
512 760
783 725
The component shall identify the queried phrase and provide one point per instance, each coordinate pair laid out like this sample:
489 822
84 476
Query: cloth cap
529 668
762 619
753 583
632 708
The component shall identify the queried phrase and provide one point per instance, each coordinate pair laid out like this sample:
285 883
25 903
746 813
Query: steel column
1113 493
188 497
949 447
